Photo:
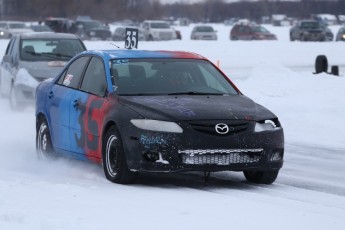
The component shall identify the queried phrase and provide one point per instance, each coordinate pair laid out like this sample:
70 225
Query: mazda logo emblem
222 128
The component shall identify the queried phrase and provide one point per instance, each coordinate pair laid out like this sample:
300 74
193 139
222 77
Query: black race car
155 111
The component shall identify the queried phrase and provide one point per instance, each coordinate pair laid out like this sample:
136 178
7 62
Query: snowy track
308 194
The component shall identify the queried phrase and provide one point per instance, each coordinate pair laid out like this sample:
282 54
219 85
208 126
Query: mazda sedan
155 111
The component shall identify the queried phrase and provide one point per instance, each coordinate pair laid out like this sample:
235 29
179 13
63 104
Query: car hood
42 70
195 107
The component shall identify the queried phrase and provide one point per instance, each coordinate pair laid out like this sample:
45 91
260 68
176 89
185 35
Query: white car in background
155 30
203 32
10 28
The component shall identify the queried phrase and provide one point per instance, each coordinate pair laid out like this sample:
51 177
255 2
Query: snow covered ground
308 194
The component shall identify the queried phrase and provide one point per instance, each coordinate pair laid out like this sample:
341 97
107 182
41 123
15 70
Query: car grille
235 126
315 32
220 156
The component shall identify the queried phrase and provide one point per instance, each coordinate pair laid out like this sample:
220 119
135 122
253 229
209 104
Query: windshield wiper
195 93
33 53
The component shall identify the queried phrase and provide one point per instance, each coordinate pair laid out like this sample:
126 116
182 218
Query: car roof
131 54
47 35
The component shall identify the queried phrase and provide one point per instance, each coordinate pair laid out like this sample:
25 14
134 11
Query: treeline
138 10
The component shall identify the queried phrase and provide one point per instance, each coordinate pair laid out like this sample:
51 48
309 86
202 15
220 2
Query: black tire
15 104
335 70
261 177
44 147
321 64
114 159
291 38
304 38
150 38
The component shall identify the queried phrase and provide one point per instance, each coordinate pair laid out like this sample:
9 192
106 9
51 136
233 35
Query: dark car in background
89 29
155 111
31 58
308 30
245 30
340 34
60 25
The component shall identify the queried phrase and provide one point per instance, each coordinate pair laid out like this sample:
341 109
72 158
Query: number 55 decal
131 38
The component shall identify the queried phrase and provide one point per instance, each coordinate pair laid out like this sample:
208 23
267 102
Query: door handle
75 103
50 94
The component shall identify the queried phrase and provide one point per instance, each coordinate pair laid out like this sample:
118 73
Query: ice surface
308 194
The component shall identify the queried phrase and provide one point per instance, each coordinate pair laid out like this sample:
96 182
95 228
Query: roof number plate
131 40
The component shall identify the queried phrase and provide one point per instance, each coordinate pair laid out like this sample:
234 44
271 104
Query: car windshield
160 25
49 49
168 77
310 25
204 29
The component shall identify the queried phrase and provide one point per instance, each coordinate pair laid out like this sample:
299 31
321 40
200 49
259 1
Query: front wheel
261 177
114 159
15 104
44 147
291 38
150 38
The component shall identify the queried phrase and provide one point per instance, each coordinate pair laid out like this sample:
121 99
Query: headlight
343 36
155 125
266 125
2 33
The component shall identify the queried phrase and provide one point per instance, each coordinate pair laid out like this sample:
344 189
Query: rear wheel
44 147
114 159
261 177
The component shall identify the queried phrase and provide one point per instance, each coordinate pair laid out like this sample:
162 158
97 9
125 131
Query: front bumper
194 151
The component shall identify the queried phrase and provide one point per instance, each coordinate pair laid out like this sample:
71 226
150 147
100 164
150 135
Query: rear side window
94 80
73 75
